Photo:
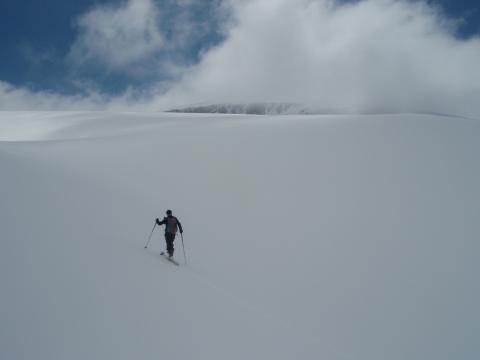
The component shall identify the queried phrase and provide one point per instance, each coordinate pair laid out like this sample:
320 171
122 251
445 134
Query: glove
157 221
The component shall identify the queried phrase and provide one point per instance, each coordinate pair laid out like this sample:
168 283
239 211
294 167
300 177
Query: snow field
342 237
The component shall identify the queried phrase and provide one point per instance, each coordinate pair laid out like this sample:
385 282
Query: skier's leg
169 238
167 242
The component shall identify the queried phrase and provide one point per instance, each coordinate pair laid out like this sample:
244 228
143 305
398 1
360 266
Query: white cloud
372 55
15 98
118 36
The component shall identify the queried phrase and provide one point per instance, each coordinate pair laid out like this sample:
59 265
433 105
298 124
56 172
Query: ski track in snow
243 304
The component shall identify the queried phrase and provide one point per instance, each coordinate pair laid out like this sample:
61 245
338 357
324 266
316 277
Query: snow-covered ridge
251 109
68 125
272 108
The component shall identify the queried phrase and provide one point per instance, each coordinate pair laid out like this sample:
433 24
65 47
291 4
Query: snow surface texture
307 237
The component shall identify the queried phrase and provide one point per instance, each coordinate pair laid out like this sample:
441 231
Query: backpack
171 225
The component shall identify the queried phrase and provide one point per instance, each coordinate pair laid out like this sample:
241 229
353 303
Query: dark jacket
171 223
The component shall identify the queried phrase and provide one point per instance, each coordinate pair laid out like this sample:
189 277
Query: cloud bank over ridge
370 55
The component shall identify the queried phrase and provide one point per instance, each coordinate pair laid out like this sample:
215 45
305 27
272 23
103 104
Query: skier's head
169 212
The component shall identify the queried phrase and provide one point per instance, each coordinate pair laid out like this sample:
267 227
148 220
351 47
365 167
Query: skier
171 225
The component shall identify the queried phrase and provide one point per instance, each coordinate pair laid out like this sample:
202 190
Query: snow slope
308 237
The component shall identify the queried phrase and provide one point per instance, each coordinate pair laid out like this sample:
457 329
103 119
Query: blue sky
37 37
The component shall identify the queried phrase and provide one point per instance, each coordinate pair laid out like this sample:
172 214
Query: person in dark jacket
172 225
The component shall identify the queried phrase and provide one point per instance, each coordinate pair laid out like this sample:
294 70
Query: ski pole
150 237
183 246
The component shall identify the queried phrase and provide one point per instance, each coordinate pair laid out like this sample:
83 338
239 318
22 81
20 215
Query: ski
169 259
